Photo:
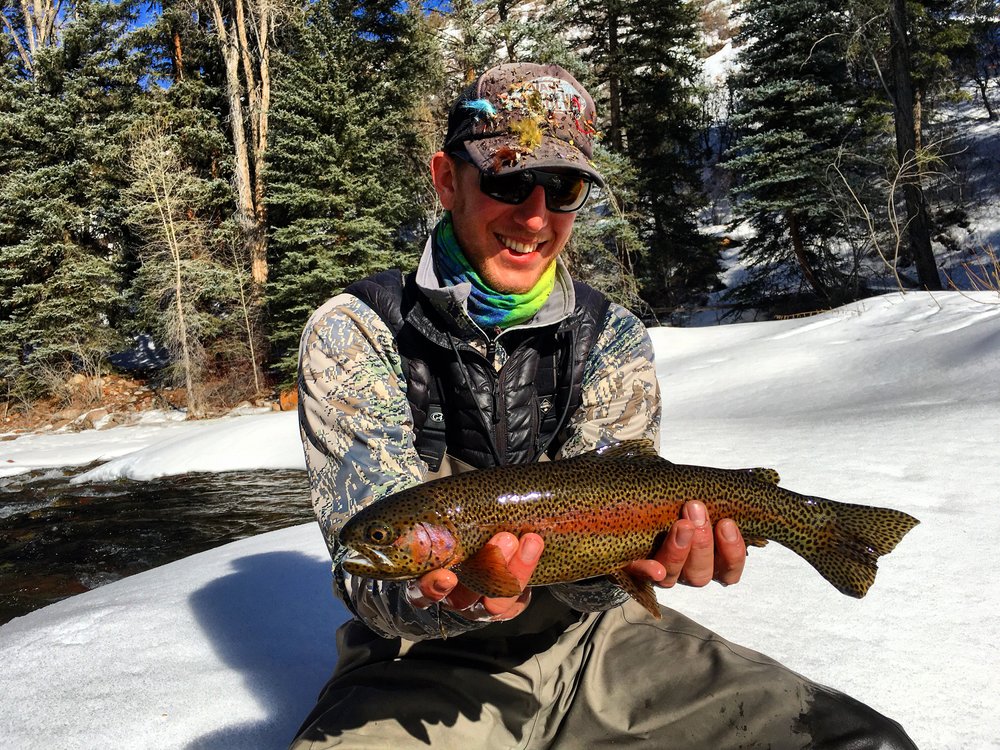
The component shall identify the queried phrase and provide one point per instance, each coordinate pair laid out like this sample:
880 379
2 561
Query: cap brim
503 155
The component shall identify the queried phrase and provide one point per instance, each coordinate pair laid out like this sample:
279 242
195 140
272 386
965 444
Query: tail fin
849 547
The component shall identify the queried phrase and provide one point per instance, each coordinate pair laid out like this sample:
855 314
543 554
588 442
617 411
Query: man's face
509 246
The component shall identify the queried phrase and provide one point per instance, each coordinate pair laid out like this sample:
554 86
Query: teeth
369 559
518 247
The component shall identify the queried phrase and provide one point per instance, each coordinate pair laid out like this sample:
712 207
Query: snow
889 401
160 445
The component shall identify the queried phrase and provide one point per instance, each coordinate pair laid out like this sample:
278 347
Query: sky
889 401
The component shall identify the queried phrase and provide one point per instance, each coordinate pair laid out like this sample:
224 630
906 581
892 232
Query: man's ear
444 174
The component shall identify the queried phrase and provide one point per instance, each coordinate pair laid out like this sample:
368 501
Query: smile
522 248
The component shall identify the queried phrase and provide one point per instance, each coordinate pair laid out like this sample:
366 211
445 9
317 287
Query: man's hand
442 585
693 554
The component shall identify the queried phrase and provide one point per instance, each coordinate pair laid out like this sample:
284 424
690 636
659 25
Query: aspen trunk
248 74
918 225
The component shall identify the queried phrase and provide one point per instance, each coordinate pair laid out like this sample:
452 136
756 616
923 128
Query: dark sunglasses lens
566 193
563 193
508 188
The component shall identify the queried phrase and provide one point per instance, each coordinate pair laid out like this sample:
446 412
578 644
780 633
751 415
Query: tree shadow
274 619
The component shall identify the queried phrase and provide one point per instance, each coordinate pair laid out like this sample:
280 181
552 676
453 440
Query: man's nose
533 214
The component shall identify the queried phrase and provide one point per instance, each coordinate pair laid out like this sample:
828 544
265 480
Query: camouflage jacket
357 430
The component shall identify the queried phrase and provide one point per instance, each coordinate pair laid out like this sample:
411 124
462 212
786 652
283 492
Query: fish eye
379 533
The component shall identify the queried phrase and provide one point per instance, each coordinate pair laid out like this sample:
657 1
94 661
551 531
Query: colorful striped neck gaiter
490 309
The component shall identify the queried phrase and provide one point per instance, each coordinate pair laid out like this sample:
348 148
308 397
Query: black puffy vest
460 403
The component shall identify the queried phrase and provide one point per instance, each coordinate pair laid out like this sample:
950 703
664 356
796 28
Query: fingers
431 588
694 555
730 552
688 551
522 557
442 586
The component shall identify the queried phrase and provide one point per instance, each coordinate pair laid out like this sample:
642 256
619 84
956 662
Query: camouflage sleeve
620 401
357 433
620 397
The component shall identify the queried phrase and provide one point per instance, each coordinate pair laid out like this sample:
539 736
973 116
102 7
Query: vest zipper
490 430
499 431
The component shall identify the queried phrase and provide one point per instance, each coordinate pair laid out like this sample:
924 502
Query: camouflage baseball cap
525 116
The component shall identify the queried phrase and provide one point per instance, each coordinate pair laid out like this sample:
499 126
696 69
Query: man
490 355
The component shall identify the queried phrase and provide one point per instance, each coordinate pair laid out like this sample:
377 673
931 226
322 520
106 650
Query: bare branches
40 19
982 274
174 239
888 234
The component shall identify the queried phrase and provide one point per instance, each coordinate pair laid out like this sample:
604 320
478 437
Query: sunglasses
564 193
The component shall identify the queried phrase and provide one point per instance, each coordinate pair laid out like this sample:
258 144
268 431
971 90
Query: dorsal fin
627 449
765 475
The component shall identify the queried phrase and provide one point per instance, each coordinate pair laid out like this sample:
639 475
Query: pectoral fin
640 590
486 573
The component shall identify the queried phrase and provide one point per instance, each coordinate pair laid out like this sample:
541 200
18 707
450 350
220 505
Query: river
58 539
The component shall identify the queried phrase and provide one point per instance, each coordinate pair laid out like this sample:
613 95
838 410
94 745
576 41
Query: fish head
393 549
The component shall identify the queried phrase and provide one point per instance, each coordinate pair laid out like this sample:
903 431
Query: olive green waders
553 678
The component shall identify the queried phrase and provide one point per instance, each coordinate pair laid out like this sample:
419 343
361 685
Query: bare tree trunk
164 199
178 57
246 53
918 225
260 118
983 85
180 293
798 247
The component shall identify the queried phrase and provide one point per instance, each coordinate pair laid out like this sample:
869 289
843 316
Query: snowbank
889 401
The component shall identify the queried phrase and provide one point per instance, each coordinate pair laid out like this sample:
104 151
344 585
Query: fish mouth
367 561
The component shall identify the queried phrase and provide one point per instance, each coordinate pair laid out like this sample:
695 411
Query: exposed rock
289 400
89 420
114 420
66 415
81 399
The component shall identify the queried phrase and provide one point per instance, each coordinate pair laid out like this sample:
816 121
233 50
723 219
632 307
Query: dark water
58 539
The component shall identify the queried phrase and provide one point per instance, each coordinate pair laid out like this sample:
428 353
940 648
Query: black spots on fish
486 572
848 540
598 512
764 475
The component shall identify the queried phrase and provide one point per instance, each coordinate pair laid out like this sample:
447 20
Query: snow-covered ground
890 401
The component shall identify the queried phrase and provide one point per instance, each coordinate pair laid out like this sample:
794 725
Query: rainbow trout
600 511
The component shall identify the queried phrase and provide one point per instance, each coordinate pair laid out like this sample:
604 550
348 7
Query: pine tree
61 219
908 50
645 68
795 112
604 245
978 59
217 292
347 168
